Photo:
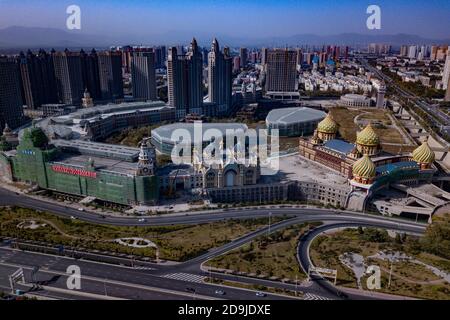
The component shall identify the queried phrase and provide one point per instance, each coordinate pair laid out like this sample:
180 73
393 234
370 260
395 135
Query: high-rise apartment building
281 73
38 79
91 74
143 75
110 72
264 56
11 104
446 73
243 54
220 77
412 52
447 92
185 80
160 57
68 74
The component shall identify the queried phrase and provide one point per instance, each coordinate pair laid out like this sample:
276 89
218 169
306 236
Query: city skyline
143 21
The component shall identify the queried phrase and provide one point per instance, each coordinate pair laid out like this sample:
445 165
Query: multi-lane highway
158 281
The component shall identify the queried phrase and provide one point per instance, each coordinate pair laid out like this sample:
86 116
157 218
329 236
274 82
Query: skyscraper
264 55
110 71
281 70
446 74
11 111
91 74
143 75
38 79
160 57
68 74
185 80
220 77
243 53
236 64
412 52
447 92
194 62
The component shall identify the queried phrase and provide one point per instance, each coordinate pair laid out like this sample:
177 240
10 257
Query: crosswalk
310 296
185 277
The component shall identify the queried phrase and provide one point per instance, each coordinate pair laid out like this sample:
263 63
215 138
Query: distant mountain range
29 37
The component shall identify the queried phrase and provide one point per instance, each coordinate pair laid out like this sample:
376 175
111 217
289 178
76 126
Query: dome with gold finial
364 168
328 125
368 136
423 154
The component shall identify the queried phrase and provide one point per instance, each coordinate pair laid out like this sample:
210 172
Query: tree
38 137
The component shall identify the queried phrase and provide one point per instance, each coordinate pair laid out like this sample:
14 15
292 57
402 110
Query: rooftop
340 146
112 151
294 115
165 132
100 163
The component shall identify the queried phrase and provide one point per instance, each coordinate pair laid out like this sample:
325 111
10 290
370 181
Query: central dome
368 137
327 125
423 154
364 168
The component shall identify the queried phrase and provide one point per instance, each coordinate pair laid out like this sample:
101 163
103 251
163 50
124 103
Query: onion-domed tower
367 141
327 128
364 170
423 155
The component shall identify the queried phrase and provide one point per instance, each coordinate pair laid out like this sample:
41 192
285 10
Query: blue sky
250 18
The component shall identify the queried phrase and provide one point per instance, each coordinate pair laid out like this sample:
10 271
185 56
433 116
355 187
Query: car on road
220 292
80 209
189 289
73 218
142 220
260 294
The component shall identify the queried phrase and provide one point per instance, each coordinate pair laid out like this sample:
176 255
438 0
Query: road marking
310 296
185 277
143 268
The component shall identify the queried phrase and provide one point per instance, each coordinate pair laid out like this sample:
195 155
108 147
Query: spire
215 45
194 45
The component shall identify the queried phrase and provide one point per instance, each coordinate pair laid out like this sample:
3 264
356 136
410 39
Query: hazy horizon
249 19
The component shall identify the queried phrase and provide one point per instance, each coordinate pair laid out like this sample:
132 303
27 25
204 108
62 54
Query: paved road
428 108
177 277
120 281
305 261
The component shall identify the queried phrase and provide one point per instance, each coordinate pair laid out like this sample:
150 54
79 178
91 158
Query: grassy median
178 243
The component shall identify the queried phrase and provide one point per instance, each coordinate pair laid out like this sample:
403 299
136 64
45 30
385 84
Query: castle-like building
369 169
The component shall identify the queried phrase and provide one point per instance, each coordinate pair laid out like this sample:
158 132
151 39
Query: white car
260 294
141 220
73 218
80 209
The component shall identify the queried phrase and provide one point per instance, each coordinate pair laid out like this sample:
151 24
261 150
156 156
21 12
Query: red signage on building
73 171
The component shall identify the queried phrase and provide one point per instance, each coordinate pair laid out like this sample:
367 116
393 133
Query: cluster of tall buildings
420 52
62 77
185 79
379 48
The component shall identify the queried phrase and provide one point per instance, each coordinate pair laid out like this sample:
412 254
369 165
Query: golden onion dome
368 137
423 154
327 125
364 168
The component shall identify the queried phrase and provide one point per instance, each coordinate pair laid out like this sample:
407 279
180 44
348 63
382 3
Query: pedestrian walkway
185 277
